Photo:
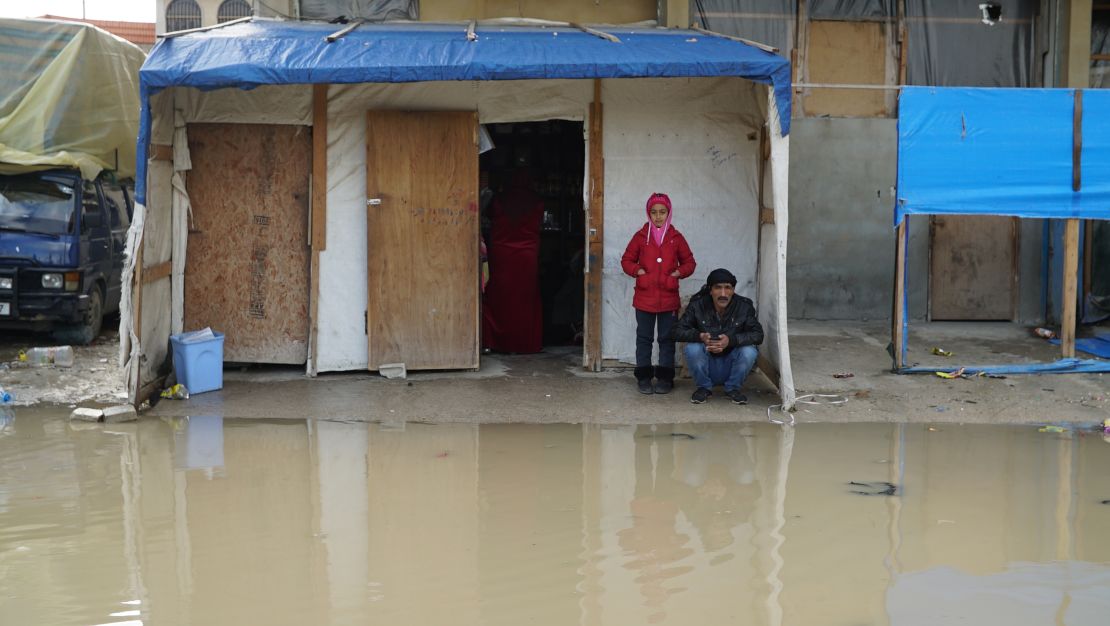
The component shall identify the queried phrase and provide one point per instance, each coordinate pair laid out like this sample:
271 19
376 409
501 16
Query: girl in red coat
658 257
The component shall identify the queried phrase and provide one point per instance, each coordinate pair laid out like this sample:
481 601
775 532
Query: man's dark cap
720 275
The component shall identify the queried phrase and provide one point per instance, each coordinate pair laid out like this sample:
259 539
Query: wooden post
1071 266
1088 254
897 335
1071 235
801 46
318 236
595 232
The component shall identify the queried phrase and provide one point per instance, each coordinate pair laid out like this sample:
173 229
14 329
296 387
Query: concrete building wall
840 263
209 10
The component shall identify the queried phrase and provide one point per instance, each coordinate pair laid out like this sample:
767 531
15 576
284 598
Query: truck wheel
89 329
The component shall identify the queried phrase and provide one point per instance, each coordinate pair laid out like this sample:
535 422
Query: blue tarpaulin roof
1001 152
263 52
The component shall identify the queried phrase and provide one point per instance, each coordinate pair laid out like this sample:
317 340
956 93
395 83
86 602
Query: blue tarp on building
1001 152
263 52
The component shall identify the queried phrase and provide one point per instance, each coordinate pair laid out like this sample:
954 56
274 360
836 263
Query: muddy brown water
204 520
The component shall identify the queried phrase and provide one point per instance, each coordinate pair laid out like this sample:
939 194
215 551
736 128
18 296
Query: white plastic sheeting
182 217
697 140
694 139
772 279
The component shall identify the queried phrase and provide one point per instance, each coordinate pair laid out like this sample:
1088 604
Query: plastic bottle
61 356
1044 332
5 397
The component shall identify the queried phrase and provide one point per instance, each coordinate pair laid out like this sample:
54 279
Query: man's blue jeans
729 370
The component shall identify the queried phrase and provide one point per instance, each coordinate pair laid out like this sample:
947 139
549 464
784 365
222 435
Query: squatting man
722 332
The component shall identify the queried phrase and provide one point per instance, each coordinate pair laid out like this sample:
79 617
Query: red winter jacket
657 290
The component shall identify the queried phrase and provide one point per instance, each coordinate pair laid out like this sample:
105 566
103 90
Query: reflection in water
212 521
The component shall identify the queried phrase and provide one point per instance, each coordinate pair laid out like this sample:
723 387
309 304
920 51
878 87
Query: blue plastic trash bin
199 362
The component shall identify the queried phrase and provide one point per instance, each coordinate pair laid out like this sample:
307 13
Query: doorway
532 225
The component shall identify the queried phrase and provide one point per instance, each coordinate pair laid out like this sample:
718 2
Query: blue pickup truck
62 242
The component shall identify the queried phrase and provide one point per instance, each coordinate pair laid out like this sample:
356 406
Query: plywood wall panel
246 271
847 53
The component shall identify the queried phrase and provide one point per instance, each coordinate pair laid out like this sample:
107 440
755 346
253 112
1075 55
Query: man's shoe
701 394
663 385
644 385
736 397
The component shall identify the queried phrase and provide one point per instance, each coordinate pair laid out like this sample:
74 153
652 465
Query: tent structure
345 163
1032 153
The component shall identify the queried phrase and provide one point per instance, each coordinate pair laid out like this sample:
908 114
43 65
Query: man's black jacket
738 322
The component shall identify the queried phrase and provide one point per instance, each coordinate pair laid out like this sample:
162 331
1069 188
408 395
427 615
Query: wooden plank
319 202
157 272
596 33
971 268
319 217
897 332
149 390
1071 236
160 152
755 44
422 239
1071 265
903 53
595 234
801 44
851 53
1077 142
247 271
766 215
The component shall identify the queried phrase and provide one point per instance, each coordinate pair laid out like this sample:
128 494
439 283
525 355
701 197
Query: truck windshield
36 204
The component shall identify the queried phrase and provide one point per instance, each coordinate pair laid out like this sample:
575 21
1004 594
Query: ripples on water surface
210 521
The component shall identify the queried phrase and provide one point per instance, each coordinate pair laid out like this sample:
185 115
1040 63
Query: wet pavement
94 378
205 520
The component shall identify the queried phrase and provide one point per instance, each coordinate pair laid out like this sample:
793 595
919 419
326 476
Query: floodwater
210 521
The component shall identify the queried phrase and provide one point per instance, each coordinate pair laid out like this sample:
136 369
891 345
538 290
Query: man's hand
641 272
675 274
714 346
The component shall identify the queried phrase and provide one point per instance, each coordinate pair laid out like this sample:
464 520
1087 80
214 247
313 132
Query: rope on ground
810 398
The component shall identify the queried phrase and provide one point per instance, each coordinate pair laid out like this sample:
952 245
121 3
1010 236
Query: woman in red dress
512 316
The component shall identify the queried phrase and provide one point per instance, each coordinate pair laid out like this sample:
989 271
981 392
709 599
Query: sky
125 10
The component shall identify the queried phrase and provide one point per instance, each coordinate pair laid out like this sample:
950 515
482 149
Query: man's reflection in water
694 486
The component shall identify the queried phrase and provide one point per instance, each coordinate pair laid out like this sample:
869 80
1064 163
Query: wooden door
973 267
422 246
246 269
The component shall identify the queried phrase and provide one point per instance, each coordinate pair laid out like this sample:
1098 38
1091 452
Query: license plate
5 308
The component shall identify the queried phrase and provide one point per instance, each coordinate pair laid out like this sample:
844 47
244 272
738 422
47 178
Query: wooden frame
1070 264
318 217
898 317
595 236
